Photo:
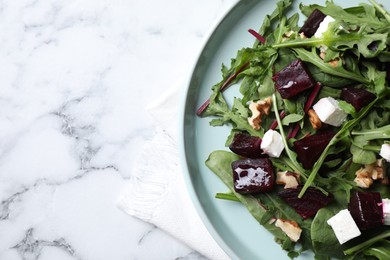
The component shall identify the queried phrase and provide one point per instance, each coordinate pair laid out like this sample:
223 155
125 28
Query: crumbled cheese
344 227
291 228
385 152
324 26
386 211
272 143
329 112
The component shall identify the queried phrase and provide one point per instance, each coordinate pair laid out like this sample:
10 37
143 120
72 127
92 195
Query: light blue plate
231 225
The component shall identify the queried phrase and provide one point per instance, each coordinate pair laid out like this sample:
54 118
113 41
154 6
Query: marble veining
31 248
76 77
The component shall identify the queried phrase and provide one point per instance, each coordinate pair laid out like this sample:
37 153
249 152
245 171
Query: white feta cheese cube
386 211
329 112
272 143
324 26
385 152
344 227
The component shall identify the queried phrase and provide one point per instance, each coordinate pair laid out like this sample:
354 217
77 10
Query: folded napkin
157 188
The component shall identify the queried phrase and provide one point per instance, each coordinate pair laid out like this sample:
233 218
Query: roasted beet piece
366 209
312 23
246 145
307 206
358 98
253 175
293 79
309 148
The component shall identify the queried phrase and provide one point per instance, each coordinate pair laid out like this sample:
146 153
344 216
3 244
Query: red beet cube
246 145
312 23
293 79
311 202
309 148
366 209
358 98
253 175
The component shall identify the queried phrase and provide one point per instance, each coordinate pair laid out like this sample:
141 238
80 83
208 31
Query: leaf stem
367 243
347 127
295 165
380 9
227 196
224 86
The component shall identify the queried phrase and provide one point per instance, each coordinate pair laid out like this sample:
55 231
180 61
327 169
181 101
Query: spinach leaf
263 207
324 240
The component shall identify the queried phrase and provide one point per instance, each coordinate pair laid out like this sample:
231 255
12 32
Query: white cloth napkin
157 192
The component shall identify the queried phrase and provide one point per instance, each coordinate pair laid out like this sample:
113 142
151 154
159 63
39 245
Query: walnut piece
366 175
288 179
291 228
333 62
363 179
314 119
258 109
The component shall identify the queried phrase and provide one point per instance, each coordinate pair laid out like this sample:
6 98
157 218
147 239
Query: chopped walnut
333 62
363 179
377 171
289 33
314 119
366 175
291 228
258 109
288 179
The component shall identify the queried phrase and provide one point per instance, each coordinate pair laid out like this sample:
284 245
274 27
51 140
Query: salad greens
353 51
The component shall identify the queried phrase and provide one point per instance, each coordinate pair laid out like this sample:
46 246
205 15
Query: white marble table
75 78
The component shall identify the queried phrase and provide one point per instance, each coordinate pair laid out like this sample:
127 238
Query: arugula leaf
381 10
348 108
366 244
359 154
268 21
363 15
374 134
291 155
380 250
313 58
237 116
348 126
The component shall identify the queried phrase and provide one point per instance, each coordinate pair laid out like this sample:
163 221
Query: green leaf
324 240
313 58
348 126
260 206
362 15
380 251
362 156
291 118
239 108
348 108
372 134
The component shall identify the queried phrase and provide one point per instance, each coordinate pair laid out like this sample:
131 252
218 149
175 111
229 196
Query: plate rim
181 134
